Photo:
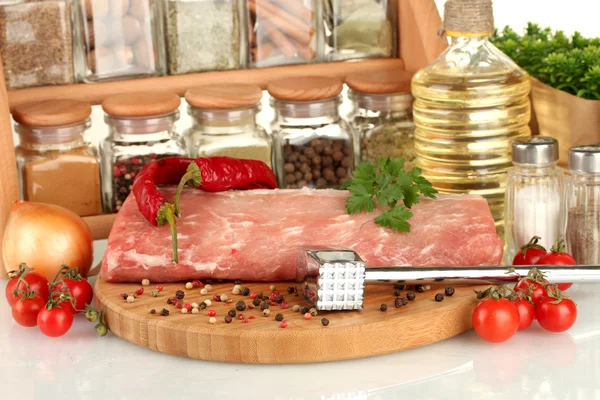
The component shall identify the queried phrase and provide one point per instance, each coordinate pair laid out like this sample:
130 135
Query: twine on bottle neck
468 18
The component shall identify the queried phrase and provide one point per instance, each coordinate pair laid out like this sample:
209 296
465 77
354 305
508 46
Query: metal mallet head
335 279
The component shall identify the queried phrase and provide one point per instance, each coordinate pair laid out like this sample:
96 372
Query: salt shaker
583 204
534 195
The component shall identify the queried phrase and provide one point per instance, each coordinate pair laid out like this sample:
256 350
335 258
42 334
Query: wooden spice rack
418 42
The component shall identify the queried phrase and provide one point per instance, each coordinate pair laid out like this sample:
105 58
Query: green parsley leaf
390 195
361 199
396 218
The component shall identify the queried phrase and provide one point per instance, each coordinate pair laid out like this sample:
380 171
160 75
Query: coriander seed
296 308
272 287
313 312
449 291
155 293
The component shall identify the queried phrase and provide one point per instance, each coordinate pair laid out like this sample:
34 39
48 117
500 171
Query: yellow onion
45 237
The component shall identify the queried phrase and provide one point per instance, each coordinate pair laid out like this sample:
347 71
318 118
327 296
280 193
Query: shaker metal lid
535 150
585 158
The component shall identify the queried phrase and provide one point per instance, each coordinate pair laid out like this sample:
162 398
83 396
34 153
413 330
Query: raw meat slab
255 235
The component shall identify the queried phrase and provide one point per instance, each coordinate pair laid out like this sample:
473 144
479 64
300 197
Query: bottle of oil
470 104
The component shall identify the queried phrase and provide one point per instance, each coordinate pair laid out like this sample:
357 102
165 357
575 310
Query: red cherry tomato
563 286
55 322
496 320
81 291
26 311
528 256
536 290
556 316
37 283
558 258
526 313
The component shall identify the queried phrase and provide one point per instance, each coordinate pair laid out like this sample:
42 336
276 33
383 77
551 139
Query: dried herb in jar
202 35
35 43
583 234
387 139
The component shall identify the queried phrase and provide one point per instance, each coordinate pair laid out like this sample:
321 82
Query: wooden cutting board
350 334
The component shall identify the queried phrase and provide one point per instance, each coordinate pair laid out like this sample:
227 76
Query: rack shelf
96 92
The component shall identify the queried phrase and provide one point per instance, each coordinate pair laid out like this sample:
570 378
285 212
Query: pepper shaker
583 204
534 195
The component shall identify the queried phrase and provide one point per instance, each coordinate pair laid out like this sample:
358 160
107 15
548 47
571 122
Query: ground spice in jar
35 43
583 234
55 165
202 35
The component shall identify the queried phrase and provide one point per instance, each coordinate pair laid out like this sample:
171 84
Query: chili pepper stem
166 215
193 178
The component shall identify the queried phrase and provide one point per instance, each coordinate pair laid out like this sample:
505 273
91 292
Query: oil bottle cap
468 18
585 158
535 150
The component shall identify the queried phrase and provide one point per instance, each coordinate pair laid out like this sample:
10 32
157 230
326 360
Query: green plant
570 64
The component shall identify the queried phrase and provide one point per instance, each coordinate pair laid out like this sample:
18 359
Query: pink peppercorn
253 295
245 321
159 288
140 291
274 295
283 324
252 317
196 283
216 297
240 316
307 316
284 305
178 304
212 313
188 306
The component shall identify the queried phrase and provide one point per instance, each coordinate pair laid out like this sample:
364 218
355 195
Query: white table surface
532 365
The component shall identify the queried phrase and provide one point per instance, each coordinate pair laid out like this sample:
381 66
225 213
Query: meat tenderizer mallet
335 279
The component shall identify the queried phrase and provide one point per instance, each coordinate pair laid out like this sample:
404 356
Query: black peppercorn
171 300
265 305
279 317
260 295
231 313
180 294
396 293
153 311
164 312
420 289
240 306
449 291
324 321
304 310
227 319
399 287
410 296
279 299
124 296
256 302
383 307
398 302
439 297
291 289
208 281
202 305
245 291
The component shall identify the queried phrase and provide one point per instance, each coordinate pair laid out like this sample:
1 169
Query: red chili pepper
213 174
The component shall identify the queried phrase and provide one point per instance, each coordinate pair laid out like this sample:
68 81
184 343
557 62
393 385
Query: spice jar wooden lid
223 97
52 113
308 88
141 104
382 82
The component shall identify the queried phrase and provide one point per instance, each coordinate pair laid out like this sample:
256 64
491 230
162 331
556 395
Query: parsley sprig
389 186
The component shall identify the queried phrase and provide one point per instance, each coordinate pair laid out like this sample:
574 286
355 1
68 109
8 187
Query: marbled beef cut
255 235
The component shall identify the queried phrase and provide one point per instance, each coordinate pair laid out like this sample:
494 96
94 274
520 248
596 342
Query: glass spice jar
224 123
534 203
313 146
35 43
359 29
283 32
381 116
141 129
203 35
118 39
583 204
54 162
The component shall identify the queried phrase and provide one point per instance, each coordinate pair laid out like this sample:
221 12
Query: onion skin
45 237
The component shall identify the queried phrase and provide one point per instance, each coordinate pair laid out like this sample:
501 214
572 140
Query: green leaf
396 218
390 195
425 187
360 200
392 166
365 172
411 196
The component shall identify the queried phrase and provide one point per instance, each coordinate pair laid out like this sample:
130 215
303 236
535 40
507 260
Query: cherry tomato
526 313
557 317
536 290
529 256
37 283
55 322
81 291
563 286
26 311
558 258
496 320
